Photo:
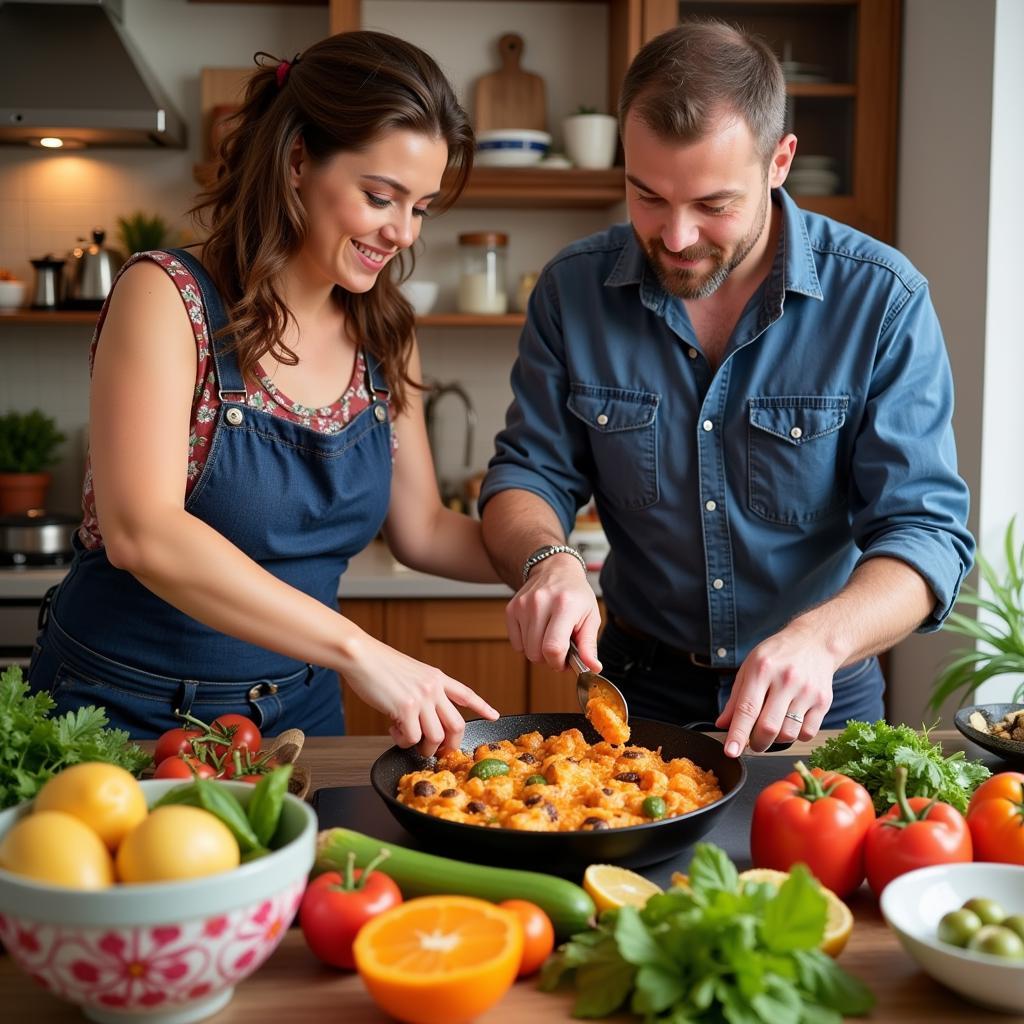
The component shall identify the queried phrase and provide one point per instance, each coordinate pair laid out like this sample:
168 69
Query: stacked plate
511 147
814 176
796 71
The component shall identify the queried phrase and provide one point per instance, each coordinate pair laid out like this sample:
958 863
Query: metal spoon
590 684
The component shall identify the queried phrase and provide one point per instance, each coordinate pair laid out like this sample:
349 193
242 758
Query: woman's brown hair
685 77
340 95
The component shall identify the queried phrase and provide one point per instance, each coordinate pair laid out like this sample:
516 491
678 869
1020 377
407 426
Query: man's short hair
685 79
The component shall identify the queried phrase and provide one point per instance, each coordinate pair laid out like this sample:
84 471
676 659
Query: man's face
698 209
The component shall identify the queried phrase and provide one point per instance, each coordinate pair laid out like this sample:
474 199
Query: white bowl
12 294
159 953
421 295
912 905
511 147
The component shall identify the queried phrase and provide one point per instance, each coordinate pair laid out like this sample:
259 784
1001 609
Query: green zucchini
422 874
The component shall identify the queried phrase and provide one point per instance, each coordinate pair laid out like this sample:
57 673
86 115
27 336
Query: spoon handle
574 657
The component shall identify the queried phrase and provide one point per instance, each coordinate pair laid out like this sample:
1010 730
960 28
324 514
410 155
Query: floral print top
327 419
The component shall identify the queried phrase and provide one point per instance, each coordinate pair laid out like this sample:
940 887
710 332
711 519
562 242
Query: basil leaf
711 870
796 918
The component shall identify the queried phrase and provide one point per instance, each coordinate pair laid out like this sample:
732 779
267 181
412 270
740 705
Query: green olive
654 807
488 768
958 926
535 780
1015 922
988 910
996 940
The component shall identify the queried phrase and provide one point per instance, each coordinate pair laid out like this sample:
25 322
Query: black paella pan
565 852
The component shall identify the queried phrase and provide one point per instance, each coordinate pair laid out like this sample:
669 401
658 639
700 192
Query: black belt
658 648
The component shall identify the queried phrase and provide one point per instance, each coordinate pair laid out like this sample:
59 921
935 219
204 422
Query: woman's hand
421 701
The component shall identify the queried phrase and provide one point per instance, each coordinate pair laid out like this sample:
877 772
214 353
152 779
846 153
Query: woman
214 589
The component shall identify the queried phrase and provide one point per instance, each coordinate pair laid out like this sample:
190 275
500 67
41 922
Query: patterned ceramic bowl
162 953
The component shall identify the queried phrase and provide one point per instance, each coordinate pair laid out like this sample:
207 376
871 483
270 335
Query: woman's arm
420 531
143 380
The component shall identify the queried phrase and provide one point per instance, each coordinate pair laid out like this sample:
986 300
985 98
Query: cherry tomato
996 819
174 741
183 766
335 908
238 731
538 934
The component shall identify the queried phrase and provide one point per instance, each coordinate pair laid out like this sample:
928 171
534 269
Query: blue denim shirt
736 499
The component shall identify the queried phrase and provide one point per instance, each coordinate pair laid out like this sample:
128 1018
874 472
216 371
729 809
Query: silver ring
796 718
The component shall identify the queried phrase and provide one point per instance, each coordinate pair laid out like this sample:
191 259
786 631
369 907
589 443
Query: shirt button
708 425
710 506
718 584
380 412
692 353
602 420
721 652
234 416
796 432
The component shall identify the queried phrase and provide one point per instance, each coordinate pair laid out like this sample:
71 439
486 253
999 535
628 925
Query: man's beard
685 283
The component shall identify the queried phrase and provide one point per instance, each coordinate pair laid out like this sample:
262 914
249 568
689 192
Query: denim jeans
658 685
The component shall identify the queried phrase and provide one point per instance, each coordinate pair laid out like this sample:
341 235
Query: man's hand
782 691
555 605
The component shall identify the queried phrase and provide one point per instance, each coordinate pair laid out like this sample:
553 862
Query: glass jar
482 273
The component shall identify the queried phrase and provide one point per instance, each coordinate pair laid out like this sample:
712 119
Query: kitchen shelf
86 316
520 187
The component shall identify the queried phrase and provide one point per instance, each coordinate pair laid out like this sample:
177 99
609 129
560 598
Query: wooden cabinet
841 59
466 639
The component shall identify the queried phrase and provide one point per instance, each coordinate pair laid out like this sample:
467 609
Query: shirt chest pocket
795 465
623 434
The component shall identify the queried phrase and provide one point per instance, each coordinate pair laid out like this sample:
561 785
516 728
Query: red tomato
538 933
174 741
182 766
995 817
914 833
237 732
334 909
815 818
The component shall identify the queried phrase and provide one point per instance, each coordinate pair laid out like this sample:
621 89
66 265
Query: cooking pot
89 272
565 853
37 537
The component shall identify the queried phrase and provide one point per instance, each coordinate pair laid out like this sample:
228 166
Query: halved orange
439 959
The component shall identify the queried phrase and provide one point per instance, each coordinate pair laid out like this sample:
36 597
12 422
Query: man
758 398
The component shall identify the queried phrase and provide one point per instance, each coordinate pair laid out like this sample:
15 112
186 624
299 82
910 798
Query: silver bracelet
546 552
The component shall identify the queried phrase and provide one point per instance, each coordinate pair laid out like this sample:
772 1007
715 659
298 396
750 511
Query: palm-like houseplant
28 447
1001 637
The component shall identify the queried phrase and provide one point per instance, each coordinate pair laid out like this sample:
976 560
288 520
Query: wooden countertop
292 985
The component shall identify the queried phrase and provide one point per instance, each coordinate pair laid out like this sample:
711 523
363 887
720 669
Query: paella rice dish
558 784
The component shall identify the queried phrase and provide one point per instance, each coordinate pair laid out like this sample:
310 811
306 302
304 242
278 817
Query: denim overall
298 502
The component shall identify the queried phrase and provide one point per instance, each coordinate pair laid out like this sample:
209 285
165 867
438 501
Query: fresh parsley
35 746
715 952
870 753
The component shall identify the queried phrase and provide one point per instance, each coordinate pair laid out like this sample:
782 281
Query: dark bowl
1008 750
565 853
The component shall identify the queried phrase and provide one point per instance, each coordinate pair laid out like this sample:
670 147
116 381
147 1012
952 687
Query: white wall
961 218
47 200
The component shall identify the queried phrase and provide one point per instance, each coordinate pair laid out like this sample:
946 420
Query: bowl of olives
964 925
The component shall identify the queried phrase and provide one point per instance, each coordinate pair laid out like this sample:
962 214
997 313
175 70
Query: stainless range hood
67 69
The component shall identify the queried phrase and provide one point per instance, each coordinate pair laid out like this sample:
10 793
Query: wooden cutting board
511 97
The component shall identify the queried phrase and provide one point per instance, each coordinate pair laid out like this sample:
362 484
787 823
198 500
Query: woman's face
365 207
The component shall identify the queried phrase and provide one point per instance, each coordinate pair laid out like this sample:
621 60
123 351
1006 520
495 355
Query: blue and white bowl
511 147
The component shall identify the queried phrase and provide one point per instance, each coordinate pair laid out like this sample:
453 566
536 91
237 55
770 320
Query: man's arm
556 603
791 672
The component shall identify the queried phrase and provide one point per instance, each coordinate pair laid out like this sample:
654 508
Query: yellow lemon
611 886
58 848
838 924
104 796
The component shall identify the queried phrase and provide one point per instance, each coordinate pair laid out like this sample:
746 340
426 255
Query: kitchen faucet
435 392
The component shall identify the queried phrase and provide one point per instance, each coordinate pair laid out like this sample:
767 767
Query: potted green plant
1000 635
28 447
141 232
590 138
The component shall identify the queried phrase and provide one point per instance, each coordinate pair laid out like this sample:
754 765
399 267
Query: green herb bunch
34 746
583 109
141 232
28 441
1003 639
870 753
716 952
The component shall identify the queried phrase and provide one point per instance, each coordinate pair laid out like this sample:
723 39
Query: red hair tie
281 73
